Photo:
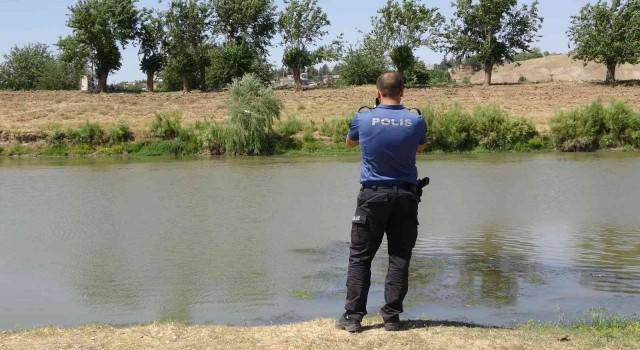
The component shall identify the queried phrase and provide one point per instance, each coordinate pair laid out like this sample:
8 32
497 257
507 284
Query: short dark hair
390 85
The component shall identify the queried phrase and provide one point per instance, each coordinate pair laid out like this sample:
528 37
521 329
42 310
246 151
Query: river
247 241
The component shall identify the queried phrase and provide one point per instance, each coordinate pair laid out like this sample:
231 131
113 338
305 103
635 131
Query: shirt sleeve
422 129
354 134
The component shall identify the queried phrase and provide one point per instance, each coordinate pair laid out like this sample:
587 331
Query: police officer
389 136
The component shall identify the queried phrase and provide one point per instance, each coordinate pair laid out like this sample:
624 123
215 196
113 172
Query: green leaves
301 25
22 66
607 34
492 30
408 24
98 27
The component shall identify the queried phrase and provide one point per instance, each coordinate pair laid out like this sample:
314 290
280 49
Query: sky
44 21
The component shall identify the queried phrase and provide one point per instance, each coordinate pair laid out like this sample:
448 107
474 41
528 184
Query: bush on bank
596 127
487 128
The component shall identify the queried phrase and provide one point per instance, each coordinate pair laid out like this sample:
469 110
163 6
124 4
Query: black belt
405 186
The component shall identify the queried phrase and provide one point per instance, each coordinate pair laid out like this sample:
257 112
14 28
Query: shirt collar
386 106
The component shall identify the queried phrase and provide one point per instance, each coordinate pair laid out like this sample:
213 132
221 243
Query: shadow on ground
413 324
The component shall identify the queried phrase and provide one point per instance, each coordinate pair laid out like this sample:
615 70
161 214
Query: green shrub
211 138
166 125
308 136
466 81
57 150
579 129
253 108
291 126
1 150
163 148
439 77
18 150
119 133
57 136
620 123
451 130
522 79
89 133
336 129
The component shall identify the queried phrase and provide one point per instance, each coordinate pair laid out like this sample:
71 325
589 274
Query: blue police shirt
389 136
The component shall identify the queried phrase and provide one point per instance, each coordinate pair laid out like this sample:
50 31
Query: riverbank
33 111
454 128
321 334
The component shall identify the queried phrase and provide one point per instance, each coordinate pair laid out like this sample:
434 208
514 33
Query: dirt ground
319 334
41 110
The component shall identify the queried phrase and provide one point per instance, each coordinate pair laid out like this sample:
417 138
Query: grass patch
89 133
57 151
166 125
18 150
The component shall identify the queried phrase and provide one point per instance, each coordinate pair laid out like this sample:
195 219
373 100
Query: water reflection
610 258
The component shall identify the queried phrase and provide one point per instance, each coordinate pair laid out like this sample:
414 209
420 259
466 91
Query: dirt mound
556 68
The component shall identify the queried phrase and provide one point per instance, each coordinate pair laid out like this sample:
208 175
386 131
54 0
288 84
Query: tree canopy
492 30
607 34
251 23
301 26
99 26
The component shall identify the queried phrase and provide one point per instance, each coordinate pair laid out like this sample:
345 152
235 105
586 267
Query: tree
188 23
253 109
98 27
251 23
492 30
403 27
58 75
151 35
301 26
607 34
23 66
361 66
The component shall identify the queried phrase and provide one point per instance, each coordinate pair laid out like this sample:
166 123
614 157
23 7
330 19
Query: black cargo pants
383 209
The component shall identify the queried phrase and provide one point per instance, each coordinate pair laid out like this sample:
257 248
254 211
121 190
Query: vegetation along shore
251 119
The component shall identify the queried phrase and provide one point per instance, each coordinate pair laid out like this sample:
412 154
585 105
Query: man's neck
388 101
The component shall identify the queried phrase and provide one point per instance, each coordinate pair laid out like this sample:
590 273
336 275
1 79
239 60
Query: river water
248 241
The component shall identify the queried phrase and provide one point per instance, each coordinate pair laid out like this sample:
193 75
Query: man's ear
401 93
378 95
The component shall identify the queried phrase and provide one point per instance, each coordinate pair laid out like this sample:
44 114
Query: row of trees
201 43
207 43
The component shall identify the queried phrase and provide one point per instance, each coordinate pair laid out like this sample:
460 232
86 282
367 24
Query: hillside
555 68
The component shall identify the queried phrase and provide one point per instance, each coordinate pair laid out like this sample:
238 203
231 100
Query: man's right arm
353 136
423 135
350 143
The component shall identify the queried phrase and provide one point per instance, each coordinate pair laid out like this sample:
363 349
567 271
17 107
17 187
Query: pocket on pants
358 228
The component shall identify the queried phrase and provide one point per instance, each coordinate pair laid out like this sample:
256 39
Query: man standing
389 136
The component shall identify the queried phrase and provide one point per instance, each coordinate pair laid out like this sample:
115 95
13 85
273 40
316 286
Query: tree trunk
150 76
296 78
611 73
186 88
102 81
401 74
488 70
203 79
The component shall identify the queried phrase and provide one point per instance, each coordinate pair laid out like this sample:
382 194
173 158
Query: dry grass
318 334
40 110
